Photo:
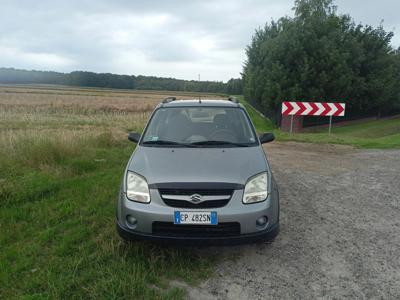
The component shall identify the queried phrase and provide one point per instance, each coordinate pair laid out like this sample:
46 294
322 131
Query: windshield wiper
167 143
219 143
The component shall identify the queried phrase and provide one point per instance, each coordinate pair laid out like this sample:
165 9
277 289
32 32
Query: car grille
187 204
181 197
220 230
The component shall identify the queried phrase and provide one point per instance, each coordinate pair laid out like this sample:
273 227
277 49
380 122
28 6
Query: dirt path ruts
340 230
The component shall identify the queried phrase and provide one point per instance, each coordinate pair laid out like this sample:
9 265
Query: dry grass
24 107
41 125
27 97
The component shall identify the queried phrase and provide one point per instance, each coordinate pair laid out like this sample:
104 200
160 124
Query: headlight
137 188
256 189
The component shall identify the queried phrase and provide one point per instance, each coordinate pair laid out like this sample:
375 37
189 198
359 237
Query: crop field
62 155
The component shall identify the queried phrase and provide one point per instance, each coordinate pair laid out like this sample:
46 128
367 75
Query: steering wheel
194 138
226 134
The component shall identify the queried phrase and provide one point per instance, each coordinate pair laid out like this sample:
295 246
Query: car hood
228 165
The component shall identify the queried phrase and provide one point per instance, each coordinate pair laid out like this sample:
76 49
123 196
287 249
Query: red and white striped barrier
313 109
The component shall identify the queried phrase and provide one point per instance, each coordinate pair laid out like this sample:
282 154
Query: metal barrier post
291 124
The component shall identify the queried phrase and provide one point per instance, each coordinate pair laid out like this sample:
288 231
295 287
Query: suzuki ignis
199 175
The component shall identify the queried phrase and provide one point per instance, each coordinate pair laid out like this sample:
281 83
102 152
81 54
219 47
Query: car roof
200 102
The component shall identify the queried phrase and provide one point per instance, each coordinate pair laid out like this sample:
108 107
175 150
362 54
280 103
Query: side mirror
266 138
134 137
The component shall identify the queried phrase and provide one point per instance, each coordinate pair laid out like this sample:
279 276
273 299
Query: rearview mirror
266 138
134 137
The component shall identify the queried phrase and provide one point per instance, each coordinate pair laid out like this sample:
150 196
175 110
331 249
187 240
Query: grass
379 134
261 123
61 163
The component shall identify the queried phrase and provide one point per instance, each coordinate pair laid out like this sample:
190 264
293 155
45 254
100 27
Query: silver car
199 175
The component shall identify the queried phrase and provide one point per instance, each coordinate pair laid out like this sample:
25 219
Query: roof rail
169 99
233 99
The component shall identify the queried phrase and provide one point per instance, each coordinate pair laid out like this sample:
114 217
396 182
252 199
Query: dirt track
340 230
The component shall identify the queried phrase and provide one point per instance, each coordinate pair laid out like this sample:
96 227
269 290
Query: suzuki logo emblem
195 198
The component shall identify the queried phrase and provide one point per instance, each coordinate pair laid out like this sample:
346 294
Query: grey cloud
153 37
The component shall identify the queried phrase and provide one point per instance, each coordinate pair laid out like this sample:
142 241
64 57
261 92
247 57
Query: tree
320 56
108 80
234 86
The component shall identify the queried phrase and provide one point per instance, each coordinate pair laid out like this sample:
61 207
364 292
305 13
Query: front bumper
265 235
234 212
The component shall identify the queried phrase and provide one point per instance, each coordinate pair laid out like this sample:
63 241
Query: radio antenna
199 86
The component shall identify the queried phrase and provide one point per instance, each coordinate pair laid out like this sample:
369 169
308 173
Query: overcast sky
151 37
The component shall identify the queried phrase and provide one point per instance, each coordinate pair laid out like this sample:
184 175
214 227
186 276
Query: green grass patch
261 123
58 237
379 134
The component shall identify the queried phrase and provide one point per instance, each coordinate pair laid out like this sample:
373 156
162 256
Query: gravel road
340 230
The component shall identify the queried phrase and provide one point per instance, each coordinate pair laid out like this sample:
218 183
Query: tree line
318 55
108 80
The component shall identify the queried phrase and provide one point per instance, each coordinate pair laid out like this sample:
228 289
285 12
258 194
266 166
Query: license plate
196 217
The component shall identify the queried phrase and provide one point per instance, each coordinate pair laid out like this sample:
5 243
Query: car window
199 125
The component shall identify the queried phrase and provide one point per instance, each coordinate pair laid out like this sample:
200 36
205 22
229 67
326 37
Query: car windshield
199 127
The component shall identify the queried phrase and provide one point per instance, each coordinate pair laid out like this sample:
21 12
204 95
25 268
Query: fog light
262 221
131 220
